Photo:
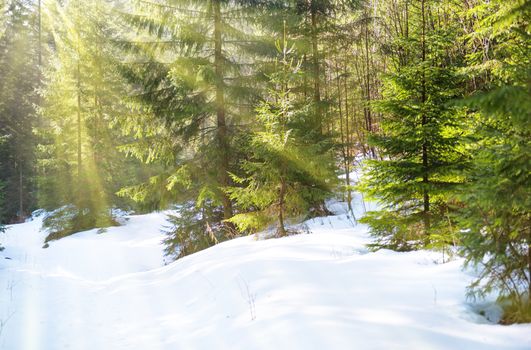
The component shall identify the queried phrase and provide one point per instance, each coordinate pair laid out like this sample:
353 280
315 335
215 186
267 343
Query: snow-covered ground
322 290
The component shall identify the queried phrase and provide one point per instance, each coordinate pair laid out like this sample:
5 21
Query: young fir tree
419 142
497 196
280 166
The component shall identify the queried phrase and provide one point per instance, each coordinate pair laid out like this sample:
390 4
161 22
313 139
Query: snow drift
322 290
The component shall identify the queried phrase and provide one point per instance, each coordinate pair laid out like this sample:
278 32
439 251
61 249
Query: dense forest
240 115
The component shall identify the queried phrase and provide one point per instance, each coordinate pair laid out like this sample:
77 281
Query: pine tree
497 205
419 142
283 176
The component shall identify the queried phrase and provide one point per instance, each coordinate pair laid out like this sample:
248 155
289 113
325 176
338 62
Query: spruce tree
497 199
283 175
419 141
311 21
80 166
18 84
196 66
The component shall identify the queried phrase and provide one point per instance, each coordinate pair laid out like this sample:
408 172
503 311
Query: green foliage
497 195
68 220
194 228
419 141
18 84
283 176
183 101
78 160
394 231
515 309
193 90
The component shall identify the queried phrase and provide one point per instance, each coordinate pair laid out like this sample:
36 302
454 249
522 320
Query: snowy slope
314 291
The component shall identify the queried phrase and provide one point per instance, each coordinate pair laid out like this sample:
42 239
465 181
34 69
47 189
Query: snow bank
314 291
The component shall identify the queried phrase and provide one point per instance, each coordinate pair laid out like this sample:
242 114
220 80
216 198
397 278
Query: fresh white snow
322 290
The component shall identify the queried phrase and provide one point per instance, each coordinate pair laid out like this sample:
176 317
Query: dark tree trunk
222 138
79 166
281 230
316 70
39 24
425 164
529 265
348 141
21 192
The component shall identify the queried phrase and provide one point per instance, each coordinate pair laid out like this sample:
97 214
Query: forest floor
322 290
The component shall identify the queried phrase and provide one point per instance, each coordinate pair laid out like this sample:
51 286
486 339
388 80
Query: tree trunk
221 131
39 23
21 192
281 230
348 141
358 124
320 206
529 266
425 177
78 123
316 70
368 86
343 139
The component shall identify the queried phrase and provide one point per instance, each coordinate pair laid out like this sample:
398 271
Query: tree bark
316 70
221 131
79 122
425 164
40 34
368 85
281 230
21 192
529 265
348 141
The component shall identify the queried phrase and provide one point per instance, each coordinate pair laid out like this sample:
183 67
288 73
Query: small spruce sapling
281 175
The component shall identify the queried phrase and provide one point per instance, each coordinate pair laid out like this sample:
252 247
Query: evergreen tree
311 21
196 66
419 142
18 83
192 229
80 166
497 197
283 175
